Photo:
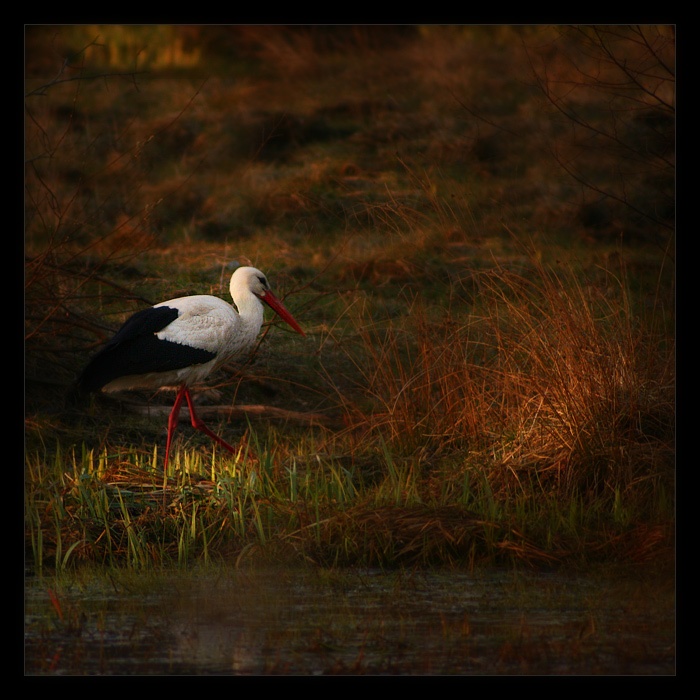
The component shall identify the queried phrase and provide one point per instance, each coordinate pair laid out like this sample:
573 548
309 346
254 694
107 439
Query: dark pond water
320 622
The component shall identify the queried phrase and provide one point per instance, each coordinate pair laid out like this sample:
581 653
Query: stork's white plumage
181 341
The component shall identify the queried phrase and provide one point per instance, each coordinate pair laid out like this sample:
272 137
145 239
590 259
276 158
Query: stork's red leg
172 422
198 423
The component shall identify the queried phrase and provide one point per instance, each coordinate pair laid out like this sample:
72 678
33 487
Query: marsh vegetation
474 226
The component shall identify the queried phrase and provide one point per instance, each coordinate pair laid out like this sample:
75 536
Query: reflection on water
292 622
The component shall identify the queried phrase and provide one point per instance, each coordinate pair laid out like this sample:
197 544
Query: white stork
181 341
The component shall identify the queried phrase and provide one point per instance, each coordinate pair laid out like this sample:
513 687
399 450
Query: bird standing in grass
180 342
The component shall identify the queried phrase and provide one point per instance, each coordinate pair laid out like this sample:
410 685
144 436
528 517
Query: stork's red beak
278 307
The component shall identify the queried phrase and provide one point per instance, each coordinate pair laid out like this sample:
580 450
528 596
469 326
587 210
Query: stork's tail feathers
87 382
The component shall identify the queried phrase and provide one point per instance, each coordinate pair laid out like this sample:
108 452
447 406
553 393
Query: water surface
273 621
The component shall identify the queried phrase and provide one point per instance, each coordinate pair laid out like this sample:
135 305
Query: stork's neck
250 313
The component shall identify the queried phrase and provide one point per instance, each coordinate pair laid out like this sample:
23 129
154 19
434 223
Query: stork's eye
263 281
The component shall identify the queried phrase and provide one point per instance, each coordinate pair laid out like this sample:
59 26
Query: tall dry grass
549 381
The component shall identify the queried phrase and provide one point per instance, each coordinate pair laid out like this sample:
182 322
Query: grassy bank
474 228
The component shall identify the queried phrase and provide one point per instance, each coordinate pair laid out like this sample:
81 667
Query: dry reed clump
594 395
548 382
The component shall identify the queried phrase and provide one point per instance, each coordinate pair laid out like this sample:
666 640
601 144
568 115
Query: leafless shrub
614 88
